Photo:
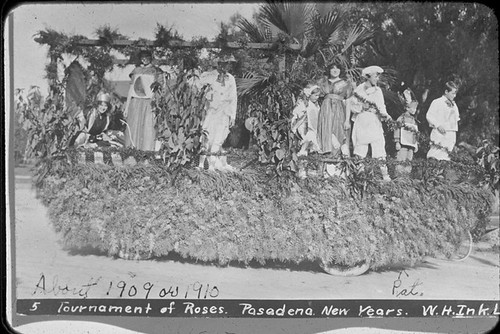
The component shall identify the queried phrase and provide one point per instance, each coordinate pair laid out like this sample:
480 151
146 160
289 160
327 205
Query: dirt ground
40 258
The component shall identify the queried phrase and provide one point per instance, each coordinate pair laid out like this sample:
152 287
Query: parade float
140 205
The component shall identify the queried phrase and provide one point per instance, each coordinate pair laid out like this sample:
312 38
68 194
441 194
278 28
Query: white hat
371 70
104 97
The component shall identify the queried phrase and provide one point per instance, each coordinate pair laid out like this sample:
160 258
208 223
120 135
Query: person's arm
457 115
354 104
323 87
81 119
129 95
379 101
397 135
432 117
347 123
232 97
298 116
90 123
347 105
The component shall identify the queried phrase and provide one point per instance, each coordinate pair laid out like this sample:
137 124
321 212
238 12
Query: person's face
373 78
145 60
412 108
334 72
102 107
451 94
222 67
314 96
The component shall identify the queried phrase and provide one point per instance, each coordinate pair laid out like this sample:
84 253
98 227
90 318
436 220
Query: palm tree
322 38
310 42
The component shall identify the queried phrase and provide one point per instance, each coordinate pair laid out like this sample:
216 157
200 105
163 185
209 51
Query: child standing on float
368 106
443 118
305 120
405 135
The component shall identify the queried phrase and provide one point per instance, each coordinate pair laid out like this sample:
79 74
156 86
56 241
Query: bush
144 210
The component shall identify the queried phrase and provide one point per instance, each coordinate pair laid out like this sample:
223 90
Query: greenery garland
392 124
365 101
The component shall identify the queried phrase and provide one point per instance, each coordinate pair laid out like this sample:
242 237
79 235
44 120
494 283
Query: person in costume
443 117
140 132
333 122
95 129
221 113
305 119
368 107
405 135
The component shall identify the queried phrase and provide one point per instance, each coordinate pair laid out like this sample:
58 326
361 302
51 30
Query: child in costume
443 117
305 120
405 135
368 106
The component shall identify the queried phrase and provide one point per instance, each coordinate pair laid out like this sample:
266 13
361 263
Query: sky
136 20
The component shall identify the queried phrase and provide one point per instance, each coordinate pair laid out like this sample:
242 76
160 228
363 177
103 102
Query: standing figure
333 122
221 113
443 118
305 120
405 135
368 106
141 132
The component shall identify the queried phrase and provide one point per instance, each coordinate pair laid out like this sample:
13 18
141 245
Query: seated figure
95 129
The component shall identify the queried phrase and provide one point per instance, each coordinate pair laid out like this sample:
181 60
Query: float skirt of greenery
145 210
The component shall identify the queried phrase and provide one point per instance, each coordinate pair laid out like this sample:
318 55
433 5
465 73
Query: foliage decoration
487 156
432 43
107 36
324 39
179 115
49 129
145 210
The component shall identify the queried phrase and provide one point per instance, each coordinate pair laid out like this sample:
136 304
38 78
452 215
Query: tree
430 43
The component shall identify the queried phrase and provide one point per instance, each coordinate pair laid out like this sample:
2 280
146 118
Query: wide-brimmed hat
104 97
372 70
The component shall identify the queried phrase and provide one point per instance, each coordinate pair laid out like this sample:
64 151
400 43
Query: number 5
35 306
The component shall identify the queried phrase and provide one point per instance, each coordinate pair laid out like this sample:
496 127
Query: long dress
221 110
141 132
331 117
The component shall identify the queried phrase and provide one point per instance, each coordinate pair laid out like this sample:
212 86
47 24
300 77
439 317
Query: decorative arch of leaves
264 94
179 108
